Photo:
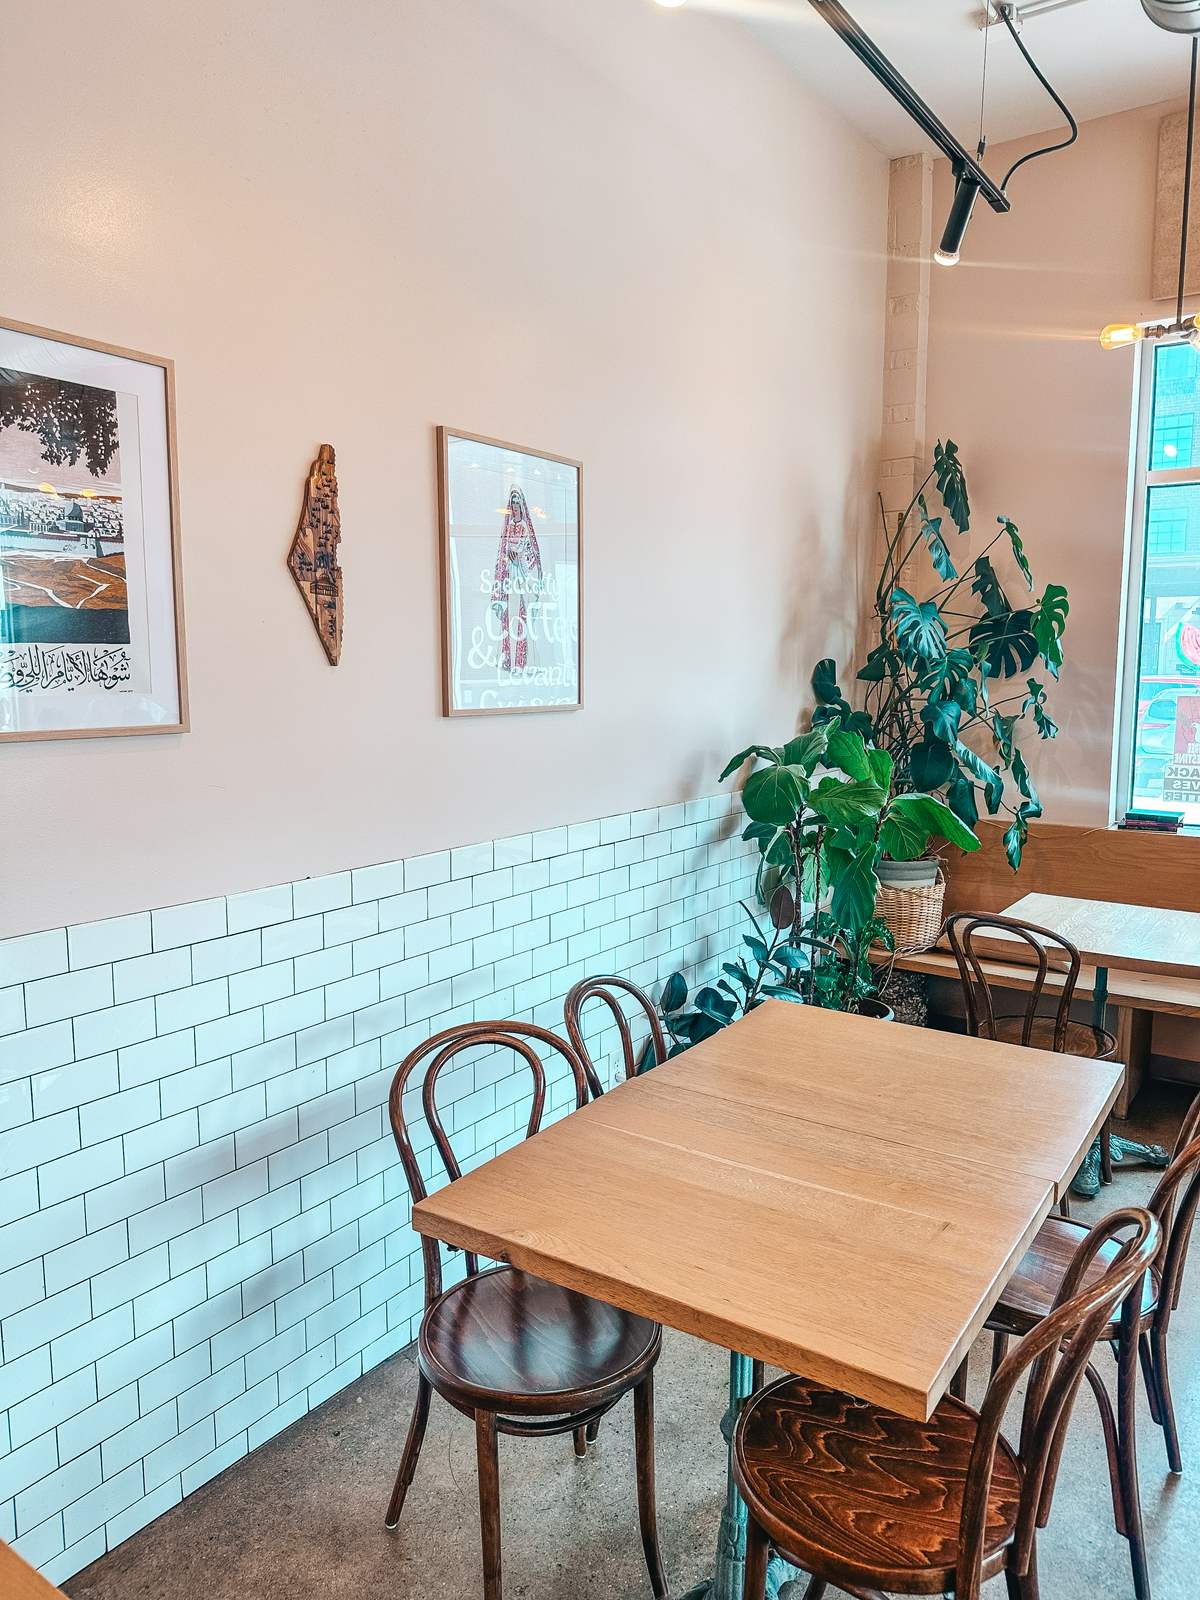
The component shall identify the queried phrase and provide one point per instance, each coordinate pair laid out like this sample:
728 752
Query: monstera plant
823 810
953 678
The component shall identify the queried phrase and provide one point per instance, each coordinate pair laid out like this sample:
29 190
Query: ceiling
1102 56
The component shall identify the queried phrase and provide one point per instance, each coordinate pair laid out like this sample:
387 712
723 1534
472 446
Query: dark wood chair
1035 1286
875 1503
1058 1032
516 1354
609 991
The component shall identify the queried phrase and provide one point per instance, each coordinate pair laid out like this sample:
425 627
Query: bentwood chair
876 1503
609 991
1057 1032
1032 1292
516 1354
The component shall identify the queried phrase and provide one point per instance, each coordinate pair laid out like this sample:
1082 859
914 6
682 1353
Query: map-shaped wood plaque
313 560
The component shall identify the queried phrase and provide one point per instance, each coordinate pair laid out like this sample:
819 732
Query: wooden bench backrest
1143 869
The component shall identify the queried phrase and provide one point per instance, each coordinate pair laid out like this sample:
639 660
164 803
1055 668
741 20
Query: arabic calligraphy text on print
511 526
87 615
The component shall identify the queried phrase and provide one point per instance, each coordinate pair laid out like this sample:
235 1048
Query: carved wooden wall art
313 560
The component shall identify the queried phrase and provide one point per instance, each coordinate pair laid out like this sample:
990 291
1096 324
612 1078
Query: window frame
1142 478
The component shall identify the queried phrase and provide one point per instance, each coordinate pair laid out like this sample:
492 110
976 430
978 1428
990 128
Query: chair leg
643 1436
1106 1172
958 1383
580 1438
489 1501
1150 1378
1023 1587
412 1449
1108 1423
592 1432
758 1374
1162 1376
758 1554
999 1348
1127 1387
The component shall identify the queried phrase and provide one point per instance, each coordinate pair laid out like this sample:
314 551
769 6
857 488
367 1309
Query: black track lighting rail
868 52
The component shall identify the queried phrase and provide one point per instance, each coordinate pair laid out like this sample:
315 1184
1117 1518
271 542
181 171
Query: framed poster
512 544
91 604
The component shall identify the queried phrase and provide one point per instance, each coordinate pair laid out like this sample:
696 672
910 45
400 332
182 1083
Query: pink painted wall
606 230
1042 414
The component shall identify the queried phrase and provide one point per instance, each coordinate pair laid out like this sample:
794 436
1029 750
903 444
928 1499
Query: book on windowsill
1152 821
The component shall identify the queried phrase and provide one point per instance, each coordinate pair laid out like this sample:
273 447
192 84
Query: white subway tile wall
204 1228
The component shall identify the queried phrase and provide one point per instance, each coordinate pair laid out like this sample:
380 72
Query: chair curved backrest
1177 1215
439 1051
608 990
1054 1357
961 929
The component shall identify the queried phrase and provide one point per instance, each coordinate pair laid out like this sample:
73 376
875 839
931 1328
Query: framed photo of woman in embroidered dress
511 540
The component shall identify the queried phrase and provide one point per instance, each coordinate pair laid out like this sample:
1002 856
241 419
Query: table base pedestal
729 1569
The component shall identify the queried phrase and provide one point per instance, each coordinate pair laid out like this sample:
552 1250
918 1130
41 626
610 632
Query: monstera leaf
952 483
987 586
1049 624
920 631
939 553
1042 720
960 796
825 685
1005 644
942 718
989 777
931 764
1018 550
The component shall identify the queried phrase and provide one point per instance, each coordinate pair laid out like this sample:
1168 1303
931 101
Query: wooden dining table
19 1581
835 1195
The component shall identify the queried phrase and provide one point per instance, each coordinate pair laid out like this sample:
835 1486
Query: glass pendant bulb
1120 335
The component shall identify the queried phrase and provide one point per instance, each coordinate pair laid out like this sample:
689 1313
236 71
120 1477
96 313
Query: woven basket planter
913 916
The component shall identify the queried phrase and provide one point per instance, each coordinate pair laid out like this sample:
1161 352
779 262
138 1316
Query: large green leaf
960 795
1014 841
1002 735
1018 550
807 748
1043 721
939 553
1049 624
846 804
990 777
930 764
855 885
942 718
1022 779
881 662
763 751
825 684
989 589
924 814
941 677
881 765
848 753
920 631
952 483
1005 644
675 992
774 795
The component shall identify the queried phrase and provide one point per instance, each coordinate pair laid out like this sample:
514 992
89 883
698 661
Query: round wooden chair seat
858 1495
1031 1291
1082 1039
507 1341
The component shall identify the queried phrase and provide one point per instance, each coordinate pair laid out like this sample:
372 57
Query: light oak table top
1111 934
18 1580
841 1197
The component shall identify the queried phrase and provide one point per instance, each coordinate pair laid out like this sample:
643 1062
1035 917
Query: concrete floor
302 1518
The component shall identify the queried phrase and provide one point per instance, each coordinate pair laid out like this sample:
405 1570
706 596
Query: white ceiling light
1176 16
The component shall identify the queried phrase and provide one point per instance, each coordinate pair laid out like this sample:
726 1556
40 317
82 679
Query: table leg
1086 1182
729 1570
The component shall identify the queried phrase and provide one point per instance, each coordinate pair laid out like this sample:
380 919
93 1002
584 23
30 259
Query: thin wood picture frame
49 676
512 638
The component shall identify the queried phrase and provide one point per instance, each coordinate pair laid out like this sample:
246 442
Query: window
1159 746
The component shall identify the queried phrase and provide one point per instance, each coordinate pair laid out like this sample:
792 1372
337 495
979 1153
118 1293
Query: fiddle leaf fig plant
822 810
938 676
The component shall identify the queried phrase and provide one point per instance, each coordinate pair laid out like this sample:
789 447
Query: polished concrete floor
302 1519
